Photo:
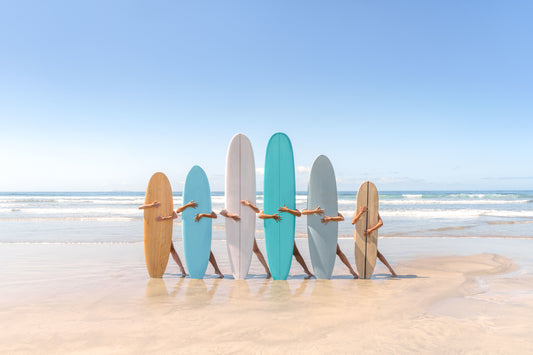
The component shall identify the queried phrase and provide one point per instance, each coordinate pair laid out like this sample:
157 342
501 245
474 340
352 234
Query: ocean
113 217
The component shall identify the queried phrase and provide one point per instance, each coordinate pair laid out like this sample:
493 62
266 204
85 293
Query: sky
413 95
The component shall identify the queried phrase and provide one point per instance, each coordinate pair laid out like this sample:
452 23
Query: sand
97 298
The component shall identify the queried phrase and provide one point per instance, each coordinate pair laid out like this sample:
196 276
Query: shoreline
459 294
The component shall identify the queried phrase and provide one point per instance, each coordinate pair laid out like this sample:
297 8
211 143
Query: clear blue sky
98 95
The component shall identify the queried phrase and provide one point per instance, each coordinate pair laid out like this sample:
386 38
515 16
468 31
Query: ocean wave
78 219
455 214
409 196
451 202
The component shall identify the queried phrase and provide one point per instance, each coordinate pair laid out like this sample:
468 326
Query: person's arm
376 227
150 205
294 212
318 211
199 216
226 214
357 216
275 217
251 205
187 205
161 218
327 219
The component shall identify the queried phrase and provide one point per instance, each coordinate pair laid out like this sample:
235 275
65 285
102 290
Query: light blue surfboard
279 190
322 237
197 235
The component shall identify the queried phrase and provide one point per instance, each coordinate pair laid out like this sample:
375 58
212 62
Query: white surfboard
240 185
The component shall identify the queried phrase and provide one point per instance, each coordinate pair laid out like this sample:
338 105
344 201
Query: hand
368 231
325 220
245 202
319 211
276 217
364 209
192 204
283 209
198 217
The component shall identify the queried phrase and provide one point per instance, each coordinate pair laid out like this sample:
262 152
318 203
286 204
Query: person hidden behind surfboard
380 256
173 252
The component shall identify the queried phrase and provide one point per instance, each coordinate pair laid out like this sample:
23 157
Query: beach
75 281
467 295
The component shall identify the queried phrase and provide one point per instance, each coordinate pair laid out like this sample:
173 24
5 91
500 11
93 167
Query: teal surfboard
322 237
197 235
279 189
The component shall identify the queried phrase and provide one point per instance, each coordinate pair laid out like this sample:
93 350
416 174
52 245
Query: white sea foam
452 202
79 211
455 214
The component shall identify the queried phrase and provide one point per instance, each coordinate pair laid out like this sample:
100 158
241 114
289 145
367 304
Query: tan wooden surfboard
366 247
158 234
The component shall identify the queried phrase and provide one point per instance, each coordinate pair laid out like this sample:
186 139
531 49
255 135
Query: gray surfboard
322 238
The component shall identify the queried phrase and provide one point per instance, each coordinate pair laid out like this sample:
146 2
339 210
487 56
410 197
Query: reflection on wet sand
156 288
198 294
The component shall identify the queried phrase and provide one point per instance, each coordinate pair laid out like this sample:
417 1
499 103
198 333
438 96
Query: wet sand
452 295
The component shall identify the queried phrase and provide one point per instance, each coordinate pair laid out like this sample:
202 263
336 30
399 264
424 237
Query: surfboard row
279 191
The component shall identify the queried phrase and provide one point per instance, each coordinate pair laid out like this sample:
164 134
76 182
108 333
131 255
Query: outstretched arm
199 216
327 219
187 205
358 215
251 205
150 205
376 227
294 212
275 217
161 218
226 214
318 211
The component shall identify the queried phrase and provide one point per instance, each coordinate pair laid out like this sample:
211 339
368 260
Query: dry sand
98 299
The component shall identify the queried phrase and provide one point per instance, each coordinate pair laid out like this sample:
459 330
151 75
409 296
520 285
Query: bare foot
394 274
268 275
355 276
183 274
309 276
220 275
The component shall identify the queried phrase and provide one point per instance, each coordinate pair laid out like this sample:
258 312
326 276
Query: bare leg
177 259
259 255
214 263
384 261
301 261
345 261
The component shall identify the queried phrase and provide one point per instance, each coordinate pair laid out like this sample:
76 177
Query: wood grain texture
240 185
157 235
366 247
322 237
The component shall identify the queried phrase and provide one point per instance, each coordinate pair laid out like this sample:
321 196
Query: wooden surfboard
366 248
279 190
157 234
197 235
240 185
322 237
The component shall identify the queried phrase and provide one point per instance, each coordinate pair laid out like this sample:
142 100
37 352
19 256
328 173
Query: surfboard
240 185
279 189
322 237
197 235
366 248
157 234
